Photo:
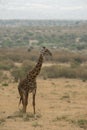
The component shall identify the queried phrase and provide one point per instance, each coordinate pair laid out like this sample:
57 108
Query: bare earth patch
61 104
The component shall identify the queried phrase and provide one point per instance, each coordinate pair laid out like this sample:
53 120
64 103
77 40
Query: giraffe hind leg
21 96
20 101
25 102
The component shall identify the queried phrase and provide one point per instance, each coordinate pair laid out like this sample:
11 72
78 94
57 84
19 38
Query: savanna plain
61 102
61 99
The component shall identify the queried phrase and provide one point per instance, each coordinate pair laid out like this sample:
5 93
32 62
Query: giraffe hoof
25 115
35 116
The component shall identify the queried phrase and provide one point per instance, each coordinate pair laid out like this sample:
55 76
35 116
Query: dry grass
61 104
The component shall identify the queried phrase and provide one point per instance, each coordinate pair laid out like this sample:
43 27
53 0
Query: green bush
6 65
81 72
20 73
56 71
5 84
1 75
27 65
16 73
76 62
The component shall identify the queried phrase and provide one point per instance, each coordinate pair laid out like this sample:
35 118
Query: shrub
27 65
76 62
20 73
56 71
82 123
5 84
6 65
50 72
81 72
1 75
15 74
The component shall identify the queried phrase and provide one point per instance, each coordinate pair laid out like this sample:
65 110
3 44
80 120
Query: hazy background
43 9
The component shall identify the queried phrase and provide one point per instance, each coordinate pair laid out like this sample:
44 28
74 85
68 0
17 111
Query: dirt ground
61 104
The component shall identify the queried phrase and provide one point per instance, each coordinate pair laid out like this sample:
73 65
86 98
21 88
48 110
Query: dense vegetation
72 36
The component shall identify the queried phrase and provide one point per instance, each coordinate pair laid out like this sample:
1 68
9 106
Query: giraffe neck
36 70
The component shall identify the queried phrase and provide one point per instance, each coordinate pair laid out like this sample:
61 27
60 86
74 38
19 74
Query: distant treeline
41 22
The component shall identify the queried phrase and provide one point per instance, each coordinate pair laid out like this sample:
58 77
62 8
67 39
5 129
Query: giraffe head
45 52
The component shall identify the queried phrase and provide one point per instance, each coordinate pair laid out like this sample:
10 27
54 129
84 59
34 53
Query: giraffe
29 84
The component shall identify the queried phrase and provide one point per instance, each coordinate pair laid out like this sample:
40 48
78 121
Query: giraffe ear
42 50
44 47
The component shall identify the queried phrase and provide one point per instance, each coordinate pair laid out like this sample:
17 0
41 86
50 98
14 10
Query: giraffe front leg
34 94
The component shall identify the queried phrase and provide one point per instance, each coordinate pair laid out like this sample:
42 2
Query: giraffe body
28 84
